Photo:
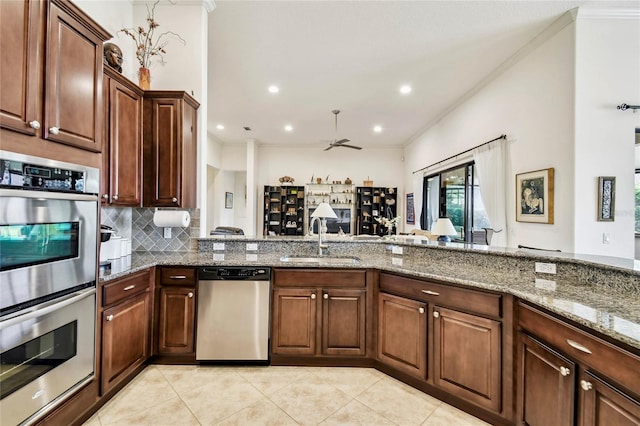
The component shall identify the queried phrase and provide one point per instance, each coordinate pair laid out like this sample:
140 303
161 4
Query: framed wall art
606 198
228 200
411 213
534 196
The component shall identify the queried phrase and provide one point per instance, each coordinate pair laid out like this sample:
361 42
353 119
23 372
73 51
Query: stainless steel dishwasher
233 314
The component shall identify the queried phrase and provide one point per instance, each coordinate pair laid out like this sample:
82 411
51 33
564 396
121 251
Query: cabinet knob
313 295
421 310
35 124
190 294
436 314
115 197
174 199
109 317
105 196
565 371
586 385
326 296
54 130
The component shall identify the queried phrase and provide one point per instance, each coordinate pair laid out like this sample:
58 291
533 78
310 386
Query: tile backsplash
137 224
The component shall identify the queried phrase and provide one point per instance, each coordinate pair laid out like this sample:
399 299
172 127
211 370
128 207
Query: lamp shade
444 227
324 210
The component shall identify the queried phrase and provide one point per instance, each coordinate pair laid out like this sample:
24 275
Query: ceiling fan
341 142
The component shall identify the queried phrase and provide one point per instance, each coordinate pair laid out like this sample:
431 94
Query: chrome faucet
322 227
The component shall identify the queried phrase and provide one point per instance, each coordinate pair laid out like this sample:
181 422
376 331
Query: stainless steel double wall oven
48 272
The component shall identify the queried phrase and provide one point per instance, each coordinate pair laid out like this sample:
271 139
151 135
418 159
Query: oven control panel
18 174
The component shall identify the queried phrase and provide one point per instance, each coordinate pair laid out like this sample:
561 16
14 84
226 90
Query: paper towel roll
171 218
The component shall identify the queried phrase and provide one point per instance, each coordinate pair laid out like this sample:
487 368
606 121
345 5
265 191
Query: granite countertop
613 312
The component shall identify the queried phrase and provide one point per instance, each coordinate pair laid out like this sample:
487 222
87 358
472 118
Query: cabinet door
162 188
546 385
294 324
187 178
602 404
125 146
73 83
20 65
343 322
402 334
125 339
467 356
176 326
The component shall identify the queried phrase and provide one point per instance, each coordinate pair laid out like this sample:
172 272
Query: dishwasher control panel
235 273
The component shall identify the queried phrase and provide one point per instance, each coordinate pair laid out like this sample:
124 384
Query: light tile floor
252 396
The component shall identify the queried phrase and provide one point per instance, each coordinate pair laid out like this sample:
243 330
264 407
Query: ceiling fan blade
341 141
351 146
329 147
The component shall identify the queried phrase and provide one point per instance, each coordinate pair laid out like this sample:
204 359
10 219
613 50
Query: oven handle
47 308
21 193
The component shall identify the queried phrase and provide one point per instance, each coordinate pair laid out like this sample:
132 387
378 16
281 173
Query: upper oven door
48 246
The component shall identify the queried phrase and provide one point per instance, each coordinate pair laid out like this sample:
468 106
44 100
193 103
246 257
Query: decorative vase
144 78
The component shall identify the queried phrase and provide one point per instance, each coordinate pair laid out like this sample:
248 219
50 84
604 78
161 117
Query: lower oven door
46 354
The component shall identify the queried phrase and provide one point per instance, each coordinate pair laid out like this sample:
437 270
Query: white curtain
417 197
433 192
491 167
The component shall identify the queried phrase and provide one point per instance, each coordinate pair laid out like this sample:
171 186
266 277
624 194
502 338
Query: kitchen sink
323 260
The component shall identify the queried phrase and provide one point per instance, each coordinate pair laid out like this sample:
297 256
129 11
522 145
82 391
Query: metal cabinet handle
432 293
54 130
421 310
578 346
35 124
436 314
115 197
190 294
586 385
565 371
105 196
174 199
313 295
325 296
178 277
129 287
109 317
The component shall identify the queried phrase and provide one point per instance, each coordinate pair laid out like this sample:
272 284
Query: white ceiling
354 56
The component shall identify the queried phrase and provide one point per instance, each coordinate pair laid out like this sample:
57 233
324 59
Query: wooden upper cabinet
122 152
170 149
21 62
73 79
51 80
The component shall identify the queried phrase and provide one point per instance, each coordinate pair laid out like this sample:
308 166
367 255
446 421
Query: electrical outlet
167 232
396 261
546 268
218 246
396 250
252 246
545 284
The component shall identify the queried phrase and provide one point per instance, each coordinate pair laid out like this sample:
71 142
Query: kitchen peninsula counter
603 297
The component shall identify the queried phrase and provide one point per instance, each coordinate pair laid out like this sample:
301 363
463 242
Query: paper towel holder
167 229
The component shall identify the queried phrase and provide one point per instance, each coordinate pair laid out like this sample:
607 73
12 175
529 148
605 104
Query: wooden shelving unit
284 210
372 203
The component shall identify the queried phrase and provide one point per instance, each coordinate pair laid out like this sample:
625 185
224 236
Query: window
454 193
637 201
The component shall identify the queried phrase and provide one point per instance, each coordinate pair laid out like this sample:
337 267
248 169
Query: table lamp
443 228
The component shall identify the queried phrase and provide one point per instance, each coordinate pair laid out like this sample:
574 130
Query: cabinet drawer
611 361
488 304
125 287
178 276
319 277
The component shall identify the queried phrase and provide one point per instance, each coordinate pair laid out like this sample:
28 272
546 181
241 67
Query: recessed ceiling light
288 128
220 127
377 129
274 89
405 89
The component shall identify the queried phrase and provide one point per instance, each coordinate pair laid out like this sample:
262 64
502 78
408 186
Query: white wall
532 103
608 73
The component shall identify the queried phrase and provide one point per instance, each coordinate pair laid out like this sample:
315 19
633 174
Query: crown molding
208 5
589 13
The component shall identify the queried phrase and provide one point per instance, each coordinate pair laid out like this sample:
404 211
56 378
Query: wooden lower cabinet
402 334
176 323
126 339
602 404
546 385
467 356
302 316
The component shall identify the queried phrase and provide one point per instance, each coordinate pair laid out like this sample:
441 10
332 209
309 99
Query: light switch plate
166 233
252 257
218 246
396 261
252 246
396 250
546 268
218 256
545 284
